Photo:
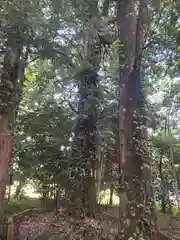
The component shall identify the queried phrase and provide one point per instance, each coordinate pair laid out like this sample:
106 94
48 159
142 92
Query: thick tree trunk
5 153
137 210
84 152
83 194
9 98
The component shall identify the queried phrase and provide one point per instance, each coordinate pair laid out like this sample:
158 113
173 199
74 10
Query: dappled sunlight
104 197
90 119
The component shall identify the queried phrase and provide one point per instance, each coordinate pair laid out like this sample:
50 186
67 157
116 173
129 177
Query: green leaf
116 43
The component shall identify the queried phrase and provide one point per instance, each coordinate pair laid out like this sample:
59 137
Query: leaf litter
63 227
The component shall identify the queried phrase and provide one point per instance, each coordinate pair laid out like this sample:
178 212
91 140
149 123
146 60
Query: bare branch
70 105
34 59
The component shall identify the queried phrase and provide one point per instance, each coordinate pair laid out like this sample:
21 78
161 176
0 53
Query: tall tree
12 71
26 34
84 147
137 201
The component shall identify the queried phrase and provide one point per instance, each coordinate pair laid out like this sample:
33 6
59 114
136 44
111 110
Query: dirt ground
63 227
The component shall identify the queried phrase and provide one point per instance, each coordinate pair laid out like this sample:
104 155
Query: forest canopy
89 103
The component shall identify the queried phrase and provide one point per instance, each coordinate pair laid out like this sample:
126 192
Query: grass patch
158 208
174 207
18 205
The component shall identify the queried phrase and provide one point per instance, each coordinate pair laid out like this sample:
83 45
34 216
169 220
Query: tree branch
70 105
105 8
34 59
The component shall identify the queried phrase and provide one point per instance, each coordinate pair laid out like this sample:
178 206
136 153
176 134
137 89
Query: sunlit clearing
104 197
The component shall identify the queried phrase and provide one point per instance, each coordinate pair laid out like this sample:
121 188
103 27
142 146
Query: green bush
158 208
174 207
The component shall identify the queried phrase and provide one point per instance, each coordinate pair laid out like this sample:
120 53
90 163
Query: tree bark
111 194
169 203
84 149
163 193
174 176
57 199
5 153
171 156
83 194
19 188
9 97
99 171
137 210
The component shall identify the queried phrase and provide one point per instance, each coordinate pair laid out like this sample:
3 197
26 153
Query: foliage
63 41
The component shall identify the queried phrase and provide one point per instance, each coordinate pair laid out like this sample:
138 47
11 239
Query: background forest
83 84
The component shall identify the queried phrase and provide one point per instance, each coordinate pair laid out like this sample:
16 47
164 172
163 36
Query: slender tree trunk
9 194
174 176
99 174
57 200
10 183
163 203
111 194
44 199
171 156
163 193
19 188
169 203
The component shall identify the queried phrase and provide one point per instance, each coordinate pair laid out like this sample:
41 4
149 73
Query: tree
84 147
22 43
80 126
42 136
12 71
136 195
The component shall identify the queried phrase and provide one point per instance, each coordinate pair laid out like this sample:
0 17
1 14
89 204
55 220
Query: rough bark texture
9 99
84 151
175 177
163 189
5 153
84 146
136 195
111 194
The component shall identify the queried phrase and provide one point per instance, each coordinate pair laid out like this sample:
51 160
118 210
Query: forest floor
62 227
169 226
